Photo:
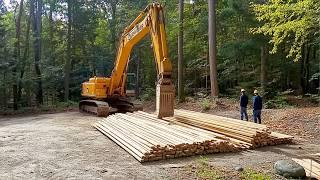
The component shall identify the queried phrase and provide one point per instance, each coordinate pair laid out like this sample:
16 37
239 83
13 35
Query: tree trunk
5 90
51 30
17 57
303 61
180 53
138 73
36 9
305 70
67 66
24 57
263 72
113 24
212 48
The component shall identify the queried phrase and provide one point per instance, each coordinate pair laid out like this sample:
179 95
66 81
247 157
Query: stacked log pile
148 139
188 133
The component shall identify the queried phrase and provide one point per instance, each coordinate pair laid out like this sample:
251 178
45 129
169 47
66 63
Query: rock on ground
289 168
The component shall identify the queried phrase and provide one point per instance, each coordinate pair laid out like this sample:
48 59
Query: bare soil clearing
64 145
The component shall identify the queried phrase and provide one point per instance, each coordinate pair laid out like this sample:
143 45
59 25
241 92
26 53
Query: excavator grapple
165 100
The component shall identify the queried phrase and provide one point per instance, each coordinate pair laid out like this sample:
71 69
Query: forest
49 47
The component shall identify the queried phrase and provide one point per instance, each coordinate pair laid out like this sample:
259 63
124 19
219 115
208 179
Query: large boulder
289 168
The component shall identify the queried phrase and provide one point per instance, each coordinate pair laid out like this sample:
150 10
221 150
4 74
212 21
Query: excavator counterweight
102 95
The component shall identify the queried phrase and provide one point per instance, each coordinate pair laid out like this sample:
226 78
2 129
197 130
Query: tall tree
212 47
110 9
3 89
67 66
263 73
36 10
24 56
51 29
180 53
17 56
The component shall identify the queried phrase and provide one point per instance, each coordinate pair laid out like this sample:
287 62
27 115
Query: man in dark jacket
243 104
257 107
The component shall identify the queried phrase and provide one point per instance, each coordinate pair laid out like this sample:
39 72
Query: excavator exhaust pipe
165 100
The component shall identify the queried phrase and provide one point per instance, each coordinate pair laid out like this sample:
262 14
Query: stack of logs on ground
187 133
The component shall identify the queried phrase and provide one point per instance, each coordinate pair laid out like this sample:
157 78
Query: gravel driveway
65 146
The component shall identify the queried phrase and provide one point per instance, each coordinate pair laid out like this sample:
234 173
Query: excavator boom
149 22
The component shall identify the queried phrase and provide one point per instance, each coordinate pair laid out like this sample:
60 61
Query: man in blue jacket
243 104
257 107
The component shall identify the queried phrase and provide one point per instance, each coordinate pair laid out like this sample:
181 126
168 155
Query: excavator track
103 109
99 108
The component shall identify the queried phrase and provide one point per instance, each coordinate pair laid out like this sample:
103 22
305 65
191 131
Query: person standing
257 107
243 105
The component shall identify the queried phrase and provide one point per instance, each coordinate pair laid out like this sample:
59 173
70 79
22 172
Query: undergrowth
250 174
58 107
277 103
205 104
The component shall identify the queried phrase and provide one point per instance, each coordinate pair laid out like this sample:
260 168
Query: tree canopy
52 46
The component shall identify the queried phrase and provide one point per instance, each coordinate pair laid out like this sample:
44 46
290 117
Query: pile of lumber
311 167
251 134
148 138
188 133
277 138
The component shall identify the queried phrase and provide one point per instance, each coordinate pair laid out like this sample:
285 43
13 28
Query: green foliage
148 94
292 22
205 104
250 174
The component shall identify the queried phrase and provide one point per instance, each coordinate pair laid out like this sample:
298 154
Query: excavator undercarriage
108 106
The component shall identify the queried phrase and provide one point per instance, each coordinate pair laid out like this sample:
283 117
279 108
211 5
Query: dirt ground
65 146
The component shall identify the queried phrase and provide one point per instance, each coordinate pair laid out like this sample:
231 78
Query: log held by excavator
102 95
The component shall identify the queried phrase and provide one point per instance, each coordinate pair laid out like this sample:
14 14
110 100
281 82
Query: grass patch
251 174
204 171
201 169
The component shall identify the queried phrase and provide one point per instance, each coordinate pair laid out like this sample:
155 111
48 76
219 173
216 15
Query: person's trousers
257 116
243 113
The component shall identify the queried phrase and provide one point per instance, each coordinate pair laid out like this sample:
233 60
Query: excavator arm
149 22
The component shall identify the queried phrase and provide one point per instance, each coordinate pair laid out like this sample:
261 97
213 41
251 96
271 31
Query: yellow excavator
102 95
